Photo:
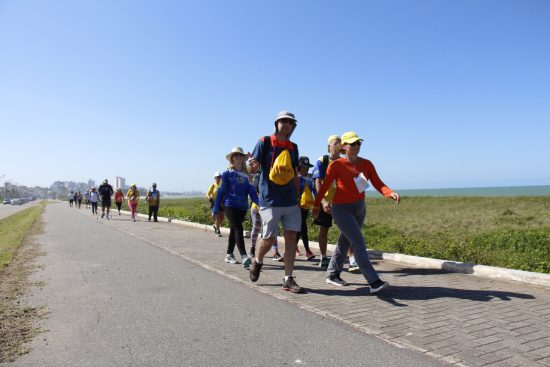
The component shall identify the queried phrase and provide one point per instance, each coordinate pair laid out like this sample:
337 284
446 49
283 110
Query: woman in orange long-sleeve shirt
351 174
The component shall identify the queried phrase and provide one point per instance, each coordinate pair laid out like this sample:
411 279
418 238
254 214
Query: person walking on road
105 191
119 199
94 198
351 174
324 220
79 199
133 197
71 199
211 195
276 157
307 194
153 200
233 193
87 198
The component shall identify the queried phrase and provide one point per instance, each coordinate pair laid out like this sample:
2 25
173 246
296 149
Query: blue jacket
307 181
234 191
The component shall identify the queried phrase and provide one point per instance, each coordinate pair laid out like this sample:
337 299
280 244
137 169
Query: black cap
304 162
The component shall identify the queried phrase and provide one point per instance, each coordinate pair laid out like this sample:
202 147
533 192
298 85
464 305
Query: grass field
13 230
510 232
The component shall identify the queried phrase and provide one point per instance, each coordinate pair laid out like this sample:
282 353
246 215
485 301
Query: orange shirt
344 172
119 197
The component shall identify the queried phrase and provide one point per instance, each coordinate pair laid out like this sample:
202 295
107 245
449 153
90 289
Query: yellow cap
350 137
332 137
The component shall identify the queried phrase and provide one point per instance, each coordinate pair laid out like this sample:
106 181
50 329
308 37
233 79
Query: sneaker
298 253
336 280
281 259
354 268
325 260
247 260
309 255
291 285
230 259
277 256
102 215
255 270
107 217
378 286
218 234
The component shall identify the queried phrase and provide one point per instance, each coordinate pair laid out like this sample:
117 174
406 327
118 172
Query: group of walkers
104 195
275 178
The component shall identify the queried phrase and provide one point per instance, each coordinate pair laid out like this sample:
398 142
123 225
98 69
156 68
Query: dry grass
17 320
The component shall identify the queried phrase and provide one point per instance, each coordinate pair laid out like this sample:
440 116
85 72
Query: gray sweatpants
350 218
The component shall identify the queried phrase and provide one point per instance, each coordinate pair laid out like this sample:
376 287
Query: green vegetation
510 232
13 230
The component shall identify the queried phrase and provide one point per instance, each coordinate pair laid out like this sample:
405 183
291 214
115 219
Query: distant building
120 182
91 183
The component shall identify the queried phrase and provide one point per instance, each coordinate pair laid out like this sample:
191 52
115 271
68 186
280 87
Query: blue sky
445 93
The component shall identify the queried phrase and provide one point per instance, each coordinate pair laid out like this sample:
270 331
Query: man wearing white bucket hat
276 158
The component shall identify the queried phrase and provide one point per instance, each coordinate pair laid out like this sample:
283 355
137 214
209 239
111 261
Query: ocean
473 191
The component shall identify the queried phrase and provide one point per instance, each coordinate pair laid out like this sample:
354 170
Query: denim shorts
289 216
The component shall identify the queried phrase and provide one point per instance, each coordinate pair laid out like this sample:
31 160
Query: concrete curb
417 261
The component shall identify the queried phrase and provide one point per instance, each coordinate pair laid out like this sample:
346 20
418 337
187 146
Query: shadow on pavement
404 272
394 294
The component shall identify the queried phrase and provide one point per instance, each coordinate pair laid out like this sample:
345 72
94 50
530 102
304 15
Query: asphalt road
7 210
114 300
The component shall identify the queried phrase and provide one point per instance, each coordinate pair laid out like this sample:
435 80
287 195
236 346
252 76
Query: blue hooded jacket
234 191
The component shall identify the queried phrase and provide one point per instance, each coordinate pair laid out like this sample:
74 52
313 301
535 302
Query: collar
287 144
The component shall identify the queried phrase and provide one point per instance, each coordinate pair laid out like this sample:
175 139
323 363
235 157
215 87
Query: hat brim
228 156
351 140
286 117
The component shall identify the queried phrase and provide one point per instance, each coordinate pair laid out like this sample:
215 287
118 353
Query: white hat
235 150
217 174
285 115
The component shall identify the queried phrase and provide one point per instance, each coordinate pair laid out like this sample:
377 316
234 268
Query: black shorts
106 202
324 219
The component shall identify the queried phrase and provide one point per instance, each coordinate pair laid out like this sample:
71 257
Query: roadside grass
509 232
17 321
13 229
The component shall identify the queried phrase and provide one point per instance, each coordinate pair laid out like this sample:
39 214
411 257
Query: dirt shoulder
18 321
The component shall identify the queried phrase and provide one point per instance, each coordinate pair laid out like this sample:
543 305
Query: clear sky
445 93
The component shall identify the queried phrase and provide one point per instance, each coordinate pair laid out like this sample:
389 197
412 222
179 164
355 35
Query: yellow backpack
282 171
306 200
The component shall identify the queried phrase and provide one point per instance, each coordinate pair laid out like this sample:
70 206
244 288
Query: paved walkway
456 318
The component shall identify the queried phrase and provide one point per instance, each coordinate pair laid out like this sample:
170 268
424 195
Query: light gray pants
350 219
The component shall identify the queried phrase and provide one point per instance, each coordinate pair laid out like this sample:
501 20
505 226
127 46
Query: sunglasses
356 143
287 121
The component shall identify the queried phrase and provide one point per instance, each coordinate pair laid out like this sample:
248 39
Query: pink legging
133 208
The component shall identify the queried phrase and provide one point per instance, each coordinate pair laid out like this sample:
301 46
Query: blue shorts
289 216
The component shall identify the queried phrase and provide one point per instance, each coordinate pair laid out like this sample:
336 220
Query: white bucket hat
235 150
285 115
217 174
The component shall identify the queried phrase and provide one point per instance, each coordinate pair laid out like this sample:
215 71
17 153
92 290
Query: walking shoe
325 260
336 280
102 215
309 255
354 268
255 270
133 220
247 260
281 259
230 259
277 256
291 285
298 253
218 234
378 286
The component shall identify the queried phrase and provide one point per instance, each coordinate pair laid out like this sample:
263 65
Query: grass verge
17 254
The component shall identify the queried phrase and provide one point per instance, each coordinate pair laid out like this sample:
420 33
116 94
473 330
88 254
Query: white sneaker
246 262
230 259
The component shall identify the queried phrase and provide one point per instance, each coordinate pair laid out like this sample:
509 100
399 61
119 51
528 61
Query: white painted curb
417 261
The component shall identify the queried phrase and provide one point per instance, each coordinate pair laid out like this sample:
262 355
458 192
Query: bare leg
290 251
265 246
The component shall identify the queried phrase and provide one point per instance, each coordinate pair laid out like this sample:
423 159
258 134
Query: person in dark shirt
105 192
